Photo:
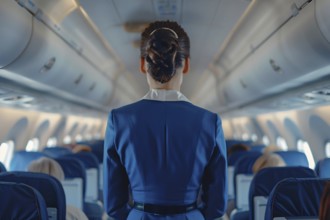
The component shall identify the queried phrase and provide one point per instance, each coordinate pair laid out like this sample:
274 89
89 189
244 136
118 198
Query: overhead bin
296 54
259 22
49 64
34 56
15 31
69 20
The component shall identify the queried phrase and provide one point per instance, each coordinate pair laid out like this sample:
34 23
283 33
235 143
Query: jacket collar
165 95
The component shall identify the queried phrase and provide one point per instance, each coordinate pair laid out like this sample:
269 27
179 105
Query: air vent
322 94
168 9
16 99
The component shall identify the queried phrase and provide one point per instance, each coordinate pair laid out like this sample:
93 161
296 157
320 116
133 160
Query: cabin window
265 140
97 135
67 139
79 138
88 136
52 142
304 147
245 137
254 137
327 149
32 145
6 153
281 143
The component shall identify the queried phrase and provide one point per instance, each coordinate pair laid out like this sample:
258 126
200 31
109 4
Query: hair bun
164 46
161 52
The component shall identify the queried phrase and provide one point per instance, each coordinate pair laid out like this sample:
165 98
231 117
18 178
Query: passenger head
165 48
268 160
81 148
236 148
324 213
47 166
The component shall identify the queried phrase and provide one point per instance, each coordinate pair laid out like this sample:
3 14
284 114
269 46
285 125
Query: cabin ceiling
247 57
207 23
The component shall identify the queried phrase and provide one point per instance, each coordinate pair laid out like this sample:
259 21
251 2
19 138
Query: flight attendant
163 148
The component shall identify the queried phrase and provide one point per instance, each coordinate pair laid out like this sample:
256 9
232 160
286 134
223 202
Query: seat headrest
294 197
49 187
20 201
245 163
293 158
87 158
55 152
265 180
322 168
97 148
21 159
73 168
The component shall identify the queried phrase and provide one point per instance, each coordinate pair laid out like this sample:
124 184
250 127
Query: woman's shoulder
143 105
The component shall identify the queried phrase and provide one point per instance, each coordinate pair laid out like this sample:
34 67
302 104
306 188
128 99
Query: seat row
27 195
83 175
254 192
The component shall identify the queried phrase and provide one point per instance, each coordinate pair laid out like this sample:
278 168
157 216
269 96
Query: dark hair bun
161 52
164 46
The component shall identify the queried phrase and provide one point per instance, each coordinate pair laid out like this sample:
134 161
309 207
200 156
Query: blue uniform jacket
164 152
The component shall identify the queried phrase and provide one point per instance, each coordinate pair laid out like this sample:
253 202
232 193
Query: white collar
165 95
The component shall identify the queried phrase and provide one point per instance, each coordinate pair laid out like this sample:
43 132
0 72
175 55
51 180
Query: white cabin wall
227 129
315 133
8 119
92 123
10 116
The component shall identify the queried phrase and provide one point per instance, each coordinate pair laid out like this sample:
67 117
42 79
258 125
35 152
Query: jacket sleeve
214 181
115 180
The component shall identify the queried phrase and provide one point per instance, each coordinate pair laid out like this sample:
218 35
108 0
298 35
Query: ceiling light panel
168 9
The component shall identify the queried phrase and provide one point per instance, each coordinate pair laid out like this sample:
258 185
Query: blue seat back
234 157
87 158
231 142
293 158
244 166
322 168
55 152
257 147
97 147
2 168
20 201
73 168
90 162
49 187
245 163
22 159
294 197
265 180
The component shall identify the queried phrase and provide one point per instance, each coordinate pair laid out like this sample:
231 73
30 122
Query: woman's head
47 166
81 148
268 160
165 47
